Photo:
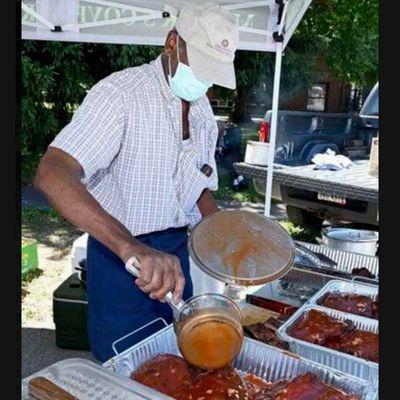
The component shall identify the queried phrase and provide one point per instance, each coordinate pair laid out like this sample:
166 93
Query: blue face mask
184 83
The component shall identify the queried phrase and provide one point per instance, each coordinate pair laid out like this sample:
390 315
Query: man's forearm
207 204
65 191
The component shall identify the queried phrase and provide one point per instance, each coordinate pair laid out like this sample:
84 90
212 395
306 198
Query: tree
349 34
255 67
343 32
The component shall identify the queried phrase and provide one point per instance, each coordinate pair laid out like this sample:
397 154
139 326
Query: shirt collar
165 88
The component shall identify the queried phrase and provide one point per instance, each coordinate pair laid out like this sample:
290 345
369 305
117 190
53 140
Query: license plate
332 199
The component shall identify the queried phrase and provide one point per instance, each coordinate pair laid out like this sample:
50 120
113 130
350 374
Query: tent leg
274 119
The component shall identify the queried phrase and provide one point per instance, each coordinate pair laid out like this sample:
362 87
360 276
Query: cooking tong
316 259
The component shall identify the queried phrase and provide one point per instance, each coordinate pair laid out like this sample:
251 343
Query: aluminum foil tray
88 381
301 281
345 288
307 278
346 260
366 370
265 361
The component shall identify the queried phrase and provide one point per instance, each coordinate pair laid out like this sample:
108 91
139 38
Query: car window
371 105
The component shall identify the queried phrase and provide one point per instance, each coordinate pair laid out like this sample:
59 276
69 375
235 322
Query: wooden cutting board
41 388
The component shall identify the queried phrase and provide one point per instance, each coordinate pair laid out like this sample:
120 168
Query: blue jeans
116 306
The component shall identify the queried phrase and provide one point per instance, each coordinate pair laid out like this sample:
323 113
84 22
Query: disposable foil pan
346 260
303 280
265 361
88 381
344 287
364 369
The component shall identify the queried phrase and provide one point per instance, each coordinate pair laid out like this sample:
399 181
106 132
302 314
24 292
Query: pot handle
136 331
133 267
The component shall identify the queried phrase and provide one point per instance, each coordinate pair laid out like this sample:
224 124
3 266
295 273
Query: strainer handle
136 331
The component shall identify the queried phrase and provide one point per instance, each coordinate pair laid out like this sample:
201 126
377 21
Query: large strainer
241 247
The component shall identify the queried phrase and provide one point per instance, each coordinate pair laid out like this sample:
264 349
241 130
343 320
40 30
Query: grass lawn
226 193
55 237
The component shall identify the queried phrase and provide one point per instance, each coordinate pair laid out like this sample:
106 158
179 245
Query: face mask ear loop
177 47
169 57
169 66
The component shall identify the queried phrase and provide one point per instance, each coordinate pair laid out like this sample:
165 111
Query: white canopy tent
264 25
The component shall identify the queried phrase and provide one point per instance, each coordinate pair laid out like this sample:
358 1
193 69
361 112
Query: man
134 169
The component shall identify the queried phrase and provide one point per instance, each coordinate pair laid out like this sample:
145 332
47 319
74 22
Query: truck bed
352 183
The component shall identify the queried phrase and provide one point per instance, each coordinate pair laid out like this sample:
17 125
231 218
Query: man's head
205 38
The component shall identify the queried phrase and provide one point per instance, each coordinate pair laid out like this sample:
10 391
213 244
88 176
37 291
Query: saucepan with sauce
208 327
209 331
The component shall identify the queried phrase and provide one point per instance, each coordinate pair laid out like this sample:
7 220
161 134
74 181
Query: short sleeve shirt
127 136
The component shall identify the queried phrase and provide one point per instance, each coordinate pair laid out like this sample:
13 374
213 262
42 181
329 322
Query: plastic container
256 153
87 381
29 257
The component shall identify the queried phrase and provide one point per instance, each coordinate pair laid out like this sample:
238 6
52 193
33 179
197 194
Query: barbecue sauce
209 340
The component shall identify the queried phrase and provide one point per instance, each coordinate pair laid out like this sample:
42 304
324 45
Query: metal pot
352 240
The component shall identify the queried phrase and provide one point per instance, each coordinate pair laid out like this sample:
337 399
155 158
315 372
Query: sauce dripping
234 259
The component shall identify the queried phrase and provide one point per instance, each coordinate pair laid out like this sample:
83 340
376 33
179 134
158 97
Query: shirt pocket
190 182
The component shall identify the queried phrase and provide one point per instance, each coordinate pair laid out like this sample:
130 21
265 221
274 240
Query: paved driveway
39 350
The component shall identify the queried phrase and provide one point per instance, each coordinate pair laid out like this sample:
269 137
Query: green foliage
34 215
301 233
48 227
347 34
54 79
343 33
38 121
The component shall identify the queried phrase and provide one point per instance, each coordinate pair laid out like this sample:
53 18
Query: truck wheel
303 217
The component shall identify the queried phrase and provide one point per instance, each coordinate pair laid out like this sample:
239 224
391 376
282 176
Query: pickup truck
302 135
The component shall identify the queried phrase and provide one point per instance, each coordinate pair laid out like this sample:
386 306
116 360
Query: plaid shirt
127 136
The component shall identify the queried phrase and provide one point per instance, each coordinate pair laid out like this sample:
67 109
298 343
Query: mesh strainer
241 247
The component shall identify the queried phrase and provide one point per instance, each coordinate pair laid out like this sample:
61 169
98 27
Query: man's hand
160 273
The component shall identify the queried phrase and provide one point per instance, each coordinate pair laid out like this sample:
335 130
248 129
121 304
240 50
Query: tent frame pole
37 16
114 21
274 120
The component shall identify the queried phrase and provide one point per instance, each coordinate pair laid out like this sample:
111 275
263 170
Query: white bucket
256 153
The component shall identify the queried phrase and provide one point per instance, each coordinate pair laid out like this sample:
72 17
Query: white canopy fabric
264 25
148 21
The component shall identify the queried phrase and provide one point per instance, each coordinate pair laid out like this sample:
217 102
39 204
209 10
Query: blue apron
116 306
